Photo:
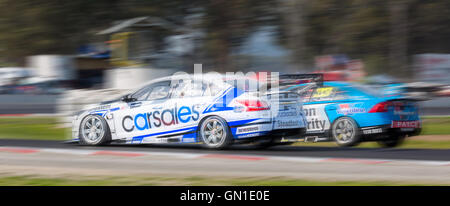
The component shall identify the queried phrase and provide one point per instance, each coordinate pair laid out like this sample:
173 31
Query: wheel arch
206 117
344 116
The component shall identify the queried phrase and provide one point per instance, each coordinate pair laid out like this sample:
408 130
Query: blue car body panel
357 105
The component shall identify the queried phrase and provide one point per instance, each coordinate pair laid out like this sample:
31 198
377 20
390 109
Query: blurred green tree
383 33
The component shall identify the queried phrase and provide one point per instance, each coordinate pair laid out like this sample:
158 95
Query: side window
327 94
211 89
159 90
306 95
142 94
196 89
184 89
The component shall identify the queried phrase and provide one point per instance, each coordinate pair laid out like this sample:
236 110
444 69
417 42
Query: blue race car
350 113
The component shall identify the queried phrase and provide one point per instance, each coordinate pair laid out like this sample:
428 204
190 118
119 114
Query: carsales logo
157 118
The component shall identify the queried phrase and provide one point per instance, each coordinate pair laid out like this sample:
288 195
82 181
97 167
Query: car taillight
253 105
380 107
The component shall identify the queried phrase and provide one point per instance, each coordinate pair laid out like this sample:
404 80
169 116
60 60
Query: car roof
208 77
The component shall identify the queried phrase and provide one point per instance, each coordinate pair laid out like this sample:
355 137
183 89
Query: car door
190 98
145 118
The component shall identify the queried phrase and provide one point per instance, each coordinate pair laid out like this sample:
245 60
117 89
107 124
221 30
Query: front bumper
75 127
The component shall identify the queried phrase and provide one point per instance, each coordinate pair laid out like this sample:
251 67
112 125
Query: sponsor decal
348 109
155 140
405 124
399 112
188 140
249 135
292 113
373 131
103 107
247 129
287 117
316 124
287 124
316 118
157 118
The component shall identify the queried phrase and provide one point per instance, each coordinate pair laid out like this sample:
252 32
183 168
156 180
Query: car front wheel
94 131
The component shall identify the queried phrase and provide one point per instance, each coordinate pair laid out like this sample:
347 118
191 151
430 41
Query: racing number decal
323 92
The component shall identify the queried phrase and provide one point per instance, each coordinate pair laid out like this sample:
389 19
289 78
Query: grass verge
436 125
40 128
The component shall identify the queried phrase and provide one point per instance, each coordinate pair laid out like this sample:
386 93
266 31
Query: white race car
189 109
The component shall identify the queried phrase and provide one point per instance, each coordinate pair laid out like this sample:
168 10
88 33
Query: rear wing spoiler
286 80
294 79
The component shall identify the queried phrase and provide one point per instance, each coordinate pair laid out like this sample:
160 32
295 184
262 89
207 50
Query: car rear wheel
215 133
94 131
345 132
392 141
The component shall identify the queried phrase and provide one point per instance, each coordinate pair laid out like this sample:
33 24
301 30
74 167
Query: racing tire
215 133
345 132
94 131
392 141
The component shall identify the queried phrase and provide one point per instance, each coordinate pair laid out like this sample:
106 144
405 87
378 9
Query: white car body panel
177 119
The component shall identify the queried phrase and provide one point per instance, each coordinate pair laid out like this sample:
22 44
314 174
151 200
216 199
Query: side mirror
127 98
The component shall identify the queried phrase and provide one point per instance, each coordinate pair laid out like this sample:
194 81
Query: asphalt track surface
284 151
